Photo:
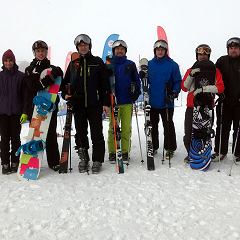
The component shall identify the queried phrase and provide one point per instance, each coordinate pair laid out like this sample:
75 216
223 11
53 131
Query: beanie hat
8 55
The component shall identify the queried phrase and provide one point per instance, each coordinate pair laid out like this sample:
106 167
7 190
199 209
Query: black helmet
85 38
160 43
118 43
39 44
203 48
234 41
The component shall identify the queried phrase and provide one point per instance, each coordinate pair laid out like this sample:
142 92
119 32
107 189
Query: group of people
89 96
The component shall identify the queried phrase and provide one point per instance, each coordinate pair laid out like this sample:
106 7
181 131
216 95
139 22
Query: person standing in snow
126 76
229 66
13 111
164 85
35 84
90 97
203 52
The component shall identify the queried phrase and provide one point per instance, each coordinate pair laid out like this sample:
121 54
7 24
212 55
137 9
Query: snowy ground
168 203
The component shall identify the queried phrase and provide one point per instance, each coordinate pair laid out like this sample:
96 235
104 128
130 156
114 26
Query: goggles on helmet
40 44
119 43
233 42
162 44
202 50
82 37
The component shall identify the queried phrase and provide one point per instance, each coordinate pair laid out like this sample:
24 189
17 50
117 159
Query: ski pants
168 126
10 131
124 117
93 115
230 114
188 128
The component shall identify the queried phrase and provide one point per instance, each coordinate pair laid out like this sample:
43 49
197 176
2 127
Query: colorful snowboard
29 166
201 144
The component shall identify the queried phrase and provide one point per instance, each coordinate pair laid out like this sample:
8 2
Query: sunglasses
203 50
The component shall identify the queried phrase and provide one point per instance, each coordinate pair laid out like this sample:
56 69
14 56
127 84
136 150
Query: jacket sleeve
65 82
219 81
25 97
32 80
177 79
187 81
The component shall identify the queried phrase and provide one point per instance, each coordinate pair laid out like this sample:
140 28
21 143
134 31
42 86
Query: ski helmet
203 48
85 38
39 44
160 43
118 43
233 42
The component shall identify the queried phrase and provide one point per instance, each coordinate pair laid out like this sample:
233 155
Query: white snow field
168 203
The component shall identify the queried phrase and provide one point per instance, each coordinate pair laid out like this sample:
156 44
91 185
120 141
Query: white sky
187 23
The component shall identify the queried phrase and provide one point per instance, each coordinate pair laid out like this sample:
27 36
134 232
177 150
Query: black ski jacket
230 69
91 85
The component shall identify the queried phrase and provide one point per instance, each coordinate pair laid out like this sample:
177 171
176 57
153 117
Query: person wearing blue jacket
125 75
164 85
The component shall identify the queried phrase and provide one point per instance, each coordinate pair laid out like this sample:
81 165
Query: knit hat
8 55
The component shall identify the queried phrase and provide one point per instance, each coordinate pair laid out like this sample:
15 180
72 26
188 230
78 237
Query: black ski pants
230 114
168 126
10 131
93 115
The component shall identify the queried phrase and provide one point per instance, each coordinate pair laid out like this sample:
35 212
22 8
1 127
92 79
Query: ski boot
96 167
215 157
169 154
125 158
112 158
84 157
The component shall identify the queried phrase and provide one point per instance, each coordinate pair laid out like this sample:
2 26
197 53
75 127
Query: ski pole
168 126
220 135
235 146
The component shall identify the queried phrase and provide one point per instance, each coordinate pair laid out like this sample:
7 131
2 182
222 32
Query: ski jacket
162 71
13 93
32 77
230 69
126 72
188 85
91 85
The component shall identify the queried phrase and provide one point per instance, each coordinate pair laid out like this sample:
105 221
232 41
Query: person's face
83 48
8 63
234 52
160 52
203 56
119 51
40 53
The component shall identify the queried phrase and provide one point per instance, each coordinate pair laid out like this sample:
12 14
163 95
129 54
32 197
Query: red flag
162 35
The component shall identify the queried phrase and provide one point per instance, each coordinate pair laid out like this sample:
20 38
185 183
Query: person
13 110
90 97
126 75
164 85
229 66
35 84
203 52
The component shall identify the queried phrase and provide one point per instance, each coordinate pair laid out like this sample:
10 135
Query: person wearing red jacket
203 52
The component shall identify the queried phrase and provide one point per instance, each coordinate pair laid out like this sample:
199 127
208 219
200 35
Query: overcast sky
187 23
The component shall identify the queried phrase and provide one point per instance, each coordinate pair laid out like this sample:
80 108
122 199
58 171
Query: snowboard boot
6 169
14 167
112 158
186 159
215 157
169 154
84 157
96 167
54 167
125 158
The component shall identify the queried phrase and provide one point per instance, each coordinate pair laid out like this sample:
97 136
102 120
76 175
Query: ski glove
169 99
134 91
56 72
195 70
142 74
23 118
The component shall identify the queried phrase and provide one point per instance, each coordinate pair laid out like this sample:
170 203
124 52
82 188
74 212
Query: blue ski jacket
161 72
126 72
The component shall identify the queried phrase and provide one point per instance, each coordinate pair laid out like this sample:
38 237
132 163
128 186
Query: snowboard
33 149
148 124
201 144
63 168
114 109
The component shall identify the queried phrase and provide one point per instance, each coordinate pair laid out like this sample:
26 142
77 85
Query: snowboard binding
44 106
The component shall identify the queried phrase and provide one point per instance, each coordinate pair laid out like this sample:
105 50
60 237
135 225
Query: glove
47 81
221 96
195 70
23 118
56 72
134 92
169 99
142 74
197 91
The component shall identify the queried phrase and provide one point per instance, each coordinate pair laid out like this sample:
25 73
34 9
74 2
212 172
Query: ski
147 107
114 109
68 124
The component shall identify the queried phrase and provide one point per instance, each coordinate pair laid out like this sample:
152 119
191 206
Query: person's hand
195 70
197 91
23 118
106 108
170 98
142 74
56 72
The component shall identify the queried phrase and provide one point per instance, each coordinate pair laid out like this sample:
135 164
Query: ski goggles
40 44
82 37
233 42
119 43
162 44
202 50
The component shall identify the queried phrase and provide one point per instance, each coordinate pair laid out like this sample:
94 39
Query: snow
168 203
